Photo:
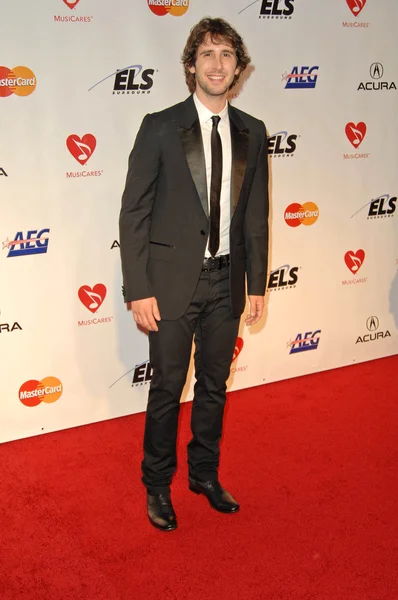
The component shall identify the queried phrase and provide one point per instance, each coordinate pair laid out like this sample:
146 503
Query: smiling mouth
216 77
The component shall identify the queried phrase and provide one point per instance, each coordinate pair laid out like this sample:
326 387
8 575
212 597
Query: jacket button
202 232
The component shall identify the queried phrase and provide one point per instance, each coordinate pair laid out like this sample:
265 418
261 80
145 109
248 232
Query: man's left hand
256 307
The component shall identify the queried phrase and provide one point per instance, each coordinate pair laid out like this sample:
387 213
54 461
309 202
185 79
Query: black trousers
209 321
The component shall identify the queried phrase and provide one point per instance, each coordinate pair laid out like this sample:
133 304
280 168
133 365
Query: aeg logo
301 77
130 80
20 81
35 242
304 342
282 144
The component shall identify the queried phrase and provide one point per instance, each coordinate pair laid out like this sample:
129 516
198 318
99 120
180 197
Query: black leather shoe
219 498
160 511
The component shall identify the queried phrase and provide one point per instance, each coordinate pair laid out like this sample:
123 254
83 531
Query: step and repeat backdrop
76 79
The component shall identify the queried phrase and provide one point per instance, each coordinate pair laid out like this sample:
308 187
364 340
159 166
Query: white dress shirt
206 126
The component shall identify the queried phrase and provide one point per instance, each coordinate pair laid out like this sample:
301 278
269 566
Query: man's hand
256 307
146 313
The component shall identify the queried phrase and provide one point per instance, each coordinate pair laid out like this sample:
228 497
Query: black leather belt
216 263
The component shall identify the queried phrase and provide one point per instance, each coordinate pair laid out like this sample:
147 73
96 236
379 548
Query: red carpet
313 462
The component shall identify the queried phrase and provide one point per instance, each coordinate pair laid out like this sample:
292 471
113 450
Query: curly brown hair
219 30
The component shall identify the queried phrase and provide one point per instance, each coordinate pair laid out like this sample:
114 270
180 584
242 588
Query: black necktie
215 187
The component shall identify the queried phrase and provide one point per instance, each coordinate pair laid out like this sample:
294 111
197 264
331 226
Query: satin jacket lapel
240 146
191 138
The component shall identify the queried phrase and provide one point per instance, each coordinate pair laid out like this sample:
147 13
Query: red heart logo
354 260
356 6
81 148
238 348
71 4
92 298
355 133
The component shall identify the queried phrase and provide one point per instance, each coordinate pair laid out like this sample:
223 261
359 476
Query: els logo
130 80
171 7
35 242
301 77
356 6
277 9
304 342
301 214
282 144
20 81
92 298
81 148
382 207
354 260
356 133
33 392
283 278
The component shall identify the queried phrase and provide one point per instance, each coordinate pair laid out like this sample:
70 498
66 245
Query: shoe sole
225 512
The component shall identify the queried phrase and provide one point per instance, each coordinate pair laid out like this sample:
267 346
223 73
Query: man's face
215 67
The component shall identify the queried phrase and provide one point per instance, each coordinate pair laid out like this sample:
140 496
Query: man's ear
192 69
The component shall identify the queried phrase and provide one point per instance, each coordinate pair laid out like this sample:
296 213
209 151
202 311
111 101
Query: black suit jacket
164 223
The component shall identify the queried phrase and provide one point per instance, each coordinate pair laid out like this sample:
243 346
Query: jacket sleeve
256 224
135 215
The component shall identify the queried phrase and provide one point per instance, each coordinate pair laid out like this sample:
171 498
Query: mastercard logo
20 81
171 7
33 392
301 214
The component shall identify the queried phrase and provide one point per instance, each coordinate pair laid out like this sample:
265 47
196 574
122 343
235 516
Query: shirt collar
205 114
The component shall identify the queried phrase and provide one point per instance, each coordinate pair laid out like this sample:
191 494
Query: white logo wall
324 84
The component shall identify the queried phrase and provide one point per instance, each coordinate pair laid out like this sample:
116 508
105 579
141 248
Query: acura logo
376 70
372 323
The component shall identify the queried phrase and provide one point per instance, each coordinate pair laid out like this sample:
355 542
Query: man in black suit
193 228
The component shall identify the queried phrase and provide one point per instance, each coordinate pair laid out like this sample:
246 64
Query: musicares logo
356 6
354 260
33 392
81 148
355 133
238 348
92 298
71 4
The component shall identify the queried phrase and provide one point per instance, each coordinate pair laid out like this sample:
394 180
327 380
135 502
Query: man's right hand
146 313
